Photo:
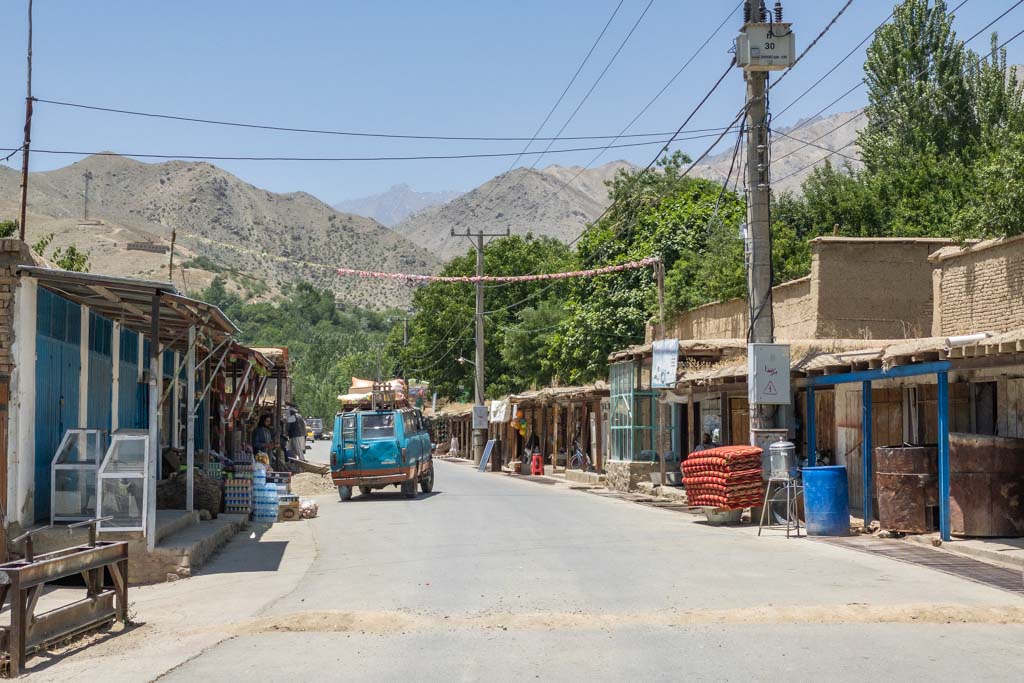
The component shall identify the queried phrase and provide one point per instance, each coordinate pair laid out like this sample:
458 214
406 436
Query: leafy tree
442 328
8 229
655 212
996 205
68 259
525 344
71 259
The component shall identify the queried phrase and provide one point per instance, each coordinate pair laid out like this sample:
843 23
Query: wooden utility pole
477 238
170 263
28 132
765 44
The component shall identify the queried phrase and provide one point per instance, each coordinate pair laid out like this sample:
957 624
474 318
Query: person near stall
296 431
263 435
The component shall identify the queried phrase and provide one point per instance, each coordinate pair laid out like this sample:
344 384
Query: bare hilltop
223 224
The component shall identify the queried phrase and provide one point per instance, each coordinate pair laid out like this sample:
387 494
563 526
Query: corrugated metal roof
130 303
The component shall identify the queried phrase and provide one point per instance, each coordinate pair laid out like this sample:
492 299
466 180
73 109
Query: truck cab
372 449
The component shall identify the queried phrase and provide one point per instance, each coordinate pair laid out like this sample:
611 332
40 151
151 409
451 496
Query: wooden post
693 432
554 452
154 420
190 418
544 430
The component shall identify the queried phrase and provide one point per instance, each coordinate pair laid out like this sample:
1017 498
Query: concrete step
182 553
170 522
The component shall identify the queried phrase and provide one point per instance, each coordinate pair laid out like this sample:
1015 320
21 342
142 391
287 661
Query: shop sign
665 363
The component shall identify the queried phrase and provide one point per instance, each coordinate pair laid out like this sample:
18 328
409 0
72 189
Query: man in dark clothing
296 430
263 435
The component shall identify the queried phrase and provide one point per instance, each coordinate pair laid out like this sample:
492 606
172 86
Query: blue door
58 364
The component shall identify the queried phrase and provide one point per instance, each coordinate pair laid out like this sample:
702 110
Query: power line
420 157
665 147
599 78
864 112
569 85
828 27
812 144
316 131
837 65
654 99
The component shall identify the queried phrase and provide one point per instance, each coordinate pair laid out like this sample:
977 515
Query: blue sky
445 67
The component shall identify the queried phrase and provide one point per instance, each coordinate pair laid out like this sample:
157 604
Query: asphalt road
492 578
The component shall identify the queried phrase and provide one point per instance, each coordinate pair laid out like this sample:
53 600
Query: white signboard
665 363
768 374
480 415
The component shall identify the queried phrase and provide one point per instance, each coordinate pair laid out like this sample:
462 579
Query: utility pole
170 262
87 176
765 44
477 238
28 132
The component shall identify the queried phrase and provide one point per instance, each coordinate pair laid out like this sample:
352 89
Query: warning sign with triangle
770 389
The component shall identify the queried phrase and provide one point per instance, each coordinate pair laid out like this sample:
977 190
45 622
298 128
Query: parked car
373 449
316 425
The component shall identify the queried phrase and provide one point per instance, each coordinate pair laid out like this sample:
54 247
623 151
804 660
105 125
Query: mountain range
521 201
395 205
259 240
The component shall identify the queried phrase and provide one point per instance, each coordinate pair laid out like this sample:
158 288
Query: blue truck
372 449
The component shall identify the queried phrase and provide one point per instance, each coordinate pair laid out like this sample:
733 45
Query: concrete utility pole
765 44
477 238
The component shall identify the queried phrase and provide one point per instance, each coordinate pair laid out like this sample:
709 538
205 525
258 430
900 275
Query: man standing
296 431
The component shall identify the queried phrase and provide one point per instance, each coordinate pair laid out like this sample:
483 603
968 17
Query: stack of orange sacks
727 477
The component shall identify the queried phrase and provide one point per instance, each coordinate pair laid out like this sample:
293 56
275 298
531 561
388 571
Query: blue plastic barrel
826 501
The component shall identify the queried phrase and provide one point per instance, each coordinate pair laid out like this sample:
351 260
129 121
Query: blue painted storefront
58 366
58 377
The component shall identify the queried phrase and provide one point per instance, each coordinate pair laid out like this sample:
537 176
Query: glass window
348 427
378 425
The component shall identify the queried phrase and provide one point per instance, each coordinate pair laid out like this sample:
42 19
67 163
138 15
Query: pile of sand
309 484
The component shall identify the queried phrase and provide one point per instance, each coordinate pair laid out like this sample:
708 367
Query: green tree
8 229
995 207
71 259
655 212
442 328
526 342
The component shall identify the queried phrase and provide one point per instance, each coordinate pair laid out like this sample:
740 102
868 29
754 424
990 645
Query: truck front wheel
345 493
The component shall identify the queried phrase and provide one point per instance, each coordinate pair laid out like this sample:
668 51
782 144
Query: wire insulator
778 12
763 12
747 12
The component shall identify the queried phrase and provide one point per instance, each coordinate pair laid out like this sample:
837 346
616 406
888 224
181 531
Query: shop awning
130 302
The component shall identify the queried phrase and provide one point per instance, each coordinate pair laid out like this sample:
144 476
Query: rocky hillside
394 206
792 157
253 235
522 200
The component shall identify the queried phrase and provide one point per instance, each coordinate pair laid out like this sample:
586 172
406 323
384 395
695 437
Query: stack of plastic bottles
264 497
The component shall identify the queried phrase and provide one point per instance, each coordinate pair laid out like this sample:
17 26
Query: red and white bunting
409 277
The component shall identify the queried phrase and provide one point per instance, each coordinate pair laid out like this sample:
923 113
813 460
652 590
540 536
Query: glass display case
122 487
73 475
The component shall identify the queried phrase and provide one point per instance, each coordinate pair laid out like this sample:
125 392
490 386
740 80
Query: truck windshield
378 425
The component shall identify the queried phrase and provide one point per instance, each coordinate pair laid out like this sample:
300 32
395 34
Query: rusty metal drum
907 486
986 485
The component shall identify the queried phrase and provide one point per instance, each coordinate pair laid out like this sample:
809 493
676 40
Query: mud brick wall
980 289
13 253
873 289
